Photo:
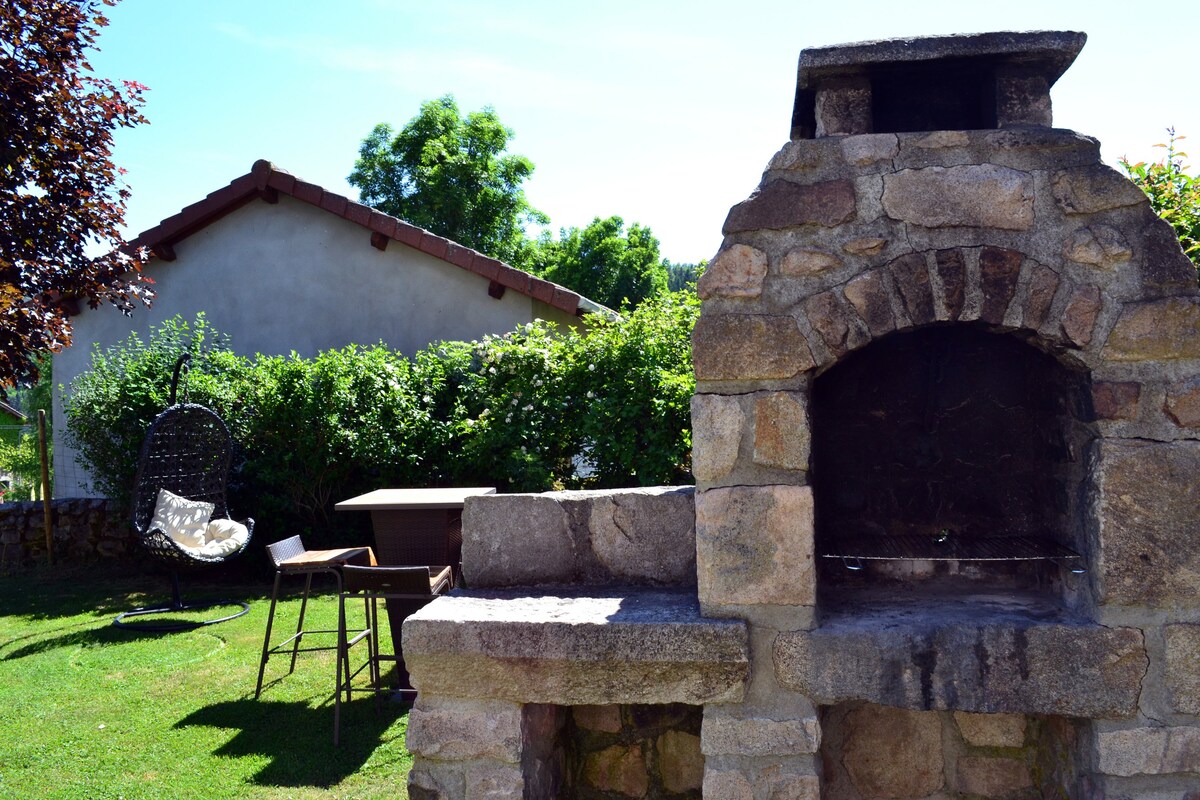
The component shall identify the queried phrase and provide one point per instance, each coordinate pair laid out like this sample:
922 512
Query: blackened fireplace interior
950 458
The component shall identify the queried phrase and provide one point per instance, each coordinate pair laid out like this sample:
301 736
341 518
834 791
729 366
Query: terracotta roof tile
513 278
358 214
263 175
382 223
542 290
308 192
460 256
408 234
436 246
334 203
565 299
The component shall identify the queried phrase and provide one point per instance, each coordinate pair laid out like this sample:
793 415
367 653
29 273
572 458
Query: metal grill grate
854 550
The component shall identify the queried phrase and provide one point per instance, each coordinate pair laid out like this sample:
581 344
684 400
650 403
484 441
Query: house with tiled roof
283 265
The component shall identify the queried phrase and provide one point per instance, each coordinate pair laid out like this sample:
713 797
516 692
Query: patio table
415 528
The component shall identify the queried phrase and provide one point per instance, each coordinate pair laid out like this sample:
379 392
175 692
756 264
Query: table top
399 499
338 557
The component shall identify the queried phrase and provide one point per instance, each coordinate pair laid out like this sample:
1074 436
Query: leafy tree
1174 195
450 175
684 276
60 194
605 263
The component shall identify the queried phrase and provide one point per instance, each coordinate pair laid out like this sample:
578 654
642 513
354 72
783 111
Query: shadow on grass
298 739
72 638
105 590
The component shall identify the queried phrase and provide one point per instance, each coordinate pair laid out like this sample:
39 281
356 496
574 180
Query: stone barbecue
944 539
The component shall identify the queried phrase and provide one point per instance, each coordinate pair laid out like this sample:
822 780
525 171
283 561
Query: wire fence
21 464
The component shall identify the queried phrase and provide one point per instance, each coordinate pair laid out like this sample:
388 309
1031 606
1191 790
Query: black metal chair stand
187 451
289 558
414 586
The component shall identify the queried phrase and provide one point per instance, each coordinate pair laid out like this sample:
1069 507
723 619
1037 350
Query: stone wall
871 751
84 529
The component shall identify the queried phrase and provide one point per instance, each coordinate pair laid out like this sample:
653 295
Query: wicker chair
187 451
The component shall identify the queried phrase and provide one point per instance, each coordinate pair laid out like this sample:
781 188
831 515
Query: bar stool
412 586
289 558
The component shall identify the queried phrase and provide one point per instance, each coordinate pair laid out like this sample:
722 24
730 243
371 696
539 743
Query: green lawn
91 711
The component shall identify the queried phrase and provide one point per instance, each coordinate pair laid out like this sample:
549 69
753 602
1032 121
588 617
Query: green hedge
532 410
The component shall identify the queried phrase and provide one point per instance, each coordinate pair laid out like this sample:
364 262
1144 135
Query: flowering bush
531 410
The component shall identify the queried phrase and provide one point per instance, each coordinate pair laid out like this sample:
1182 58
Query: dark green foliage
606 263
683 276
1174 195
450 175
531 410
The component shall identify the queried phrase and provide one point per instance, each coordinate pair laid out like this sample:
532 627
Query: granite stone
1156 330
717 424
734 347
1145 500
737 271
975 195
786 204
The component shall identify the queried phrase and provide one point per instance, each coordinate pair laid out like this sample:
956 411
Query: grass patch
91 711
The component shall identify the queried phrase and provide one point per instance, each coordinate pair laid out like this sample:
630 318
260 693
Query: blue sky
663 113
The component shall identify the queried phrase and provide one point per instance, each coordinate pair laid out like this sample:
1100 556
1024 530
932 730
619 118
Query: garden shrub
530 410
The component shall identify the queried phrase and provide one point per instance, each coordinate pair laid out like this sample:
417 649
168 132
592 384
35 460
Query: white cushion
181 519
223 537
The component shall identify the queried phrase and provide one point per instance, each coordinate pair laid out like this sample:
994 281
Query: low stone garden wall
84 529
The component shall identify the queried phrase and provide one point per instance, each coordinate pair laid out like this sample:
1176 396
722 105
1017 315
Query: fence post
46 518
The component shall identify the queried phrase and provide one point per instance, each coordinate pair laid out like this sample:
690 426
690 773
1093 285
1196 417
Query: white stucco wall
289 276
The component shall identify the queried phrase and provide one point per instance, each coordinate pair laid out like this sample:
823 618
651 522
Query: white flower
492 370
523 450
591 394
427 399
591 367
508 418
528 408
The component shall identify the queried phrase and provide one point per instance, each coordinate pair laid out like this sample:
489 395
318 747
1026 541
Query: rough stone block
620 769
457 730
433 781
1079 316
576 648
757 736
869 295
1145 502
1148 751
982 196
843 108
1182 403
680 761
726 785
606 719
832 320
515 540
982 664
800 262
893 752
717 424
999 270
781 431
737 271
1023 100
785 204
867 246
1092 188
1182 668
952 270
1165 270
1116 399
737 347
642 536
865 150
487 780
991 730
992 777
912 279
794 787
1099 246
1158 330
1042 286
754 545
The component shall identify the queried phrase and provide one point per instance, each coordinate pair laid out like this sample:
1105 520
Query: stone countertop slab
997 660
576 648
